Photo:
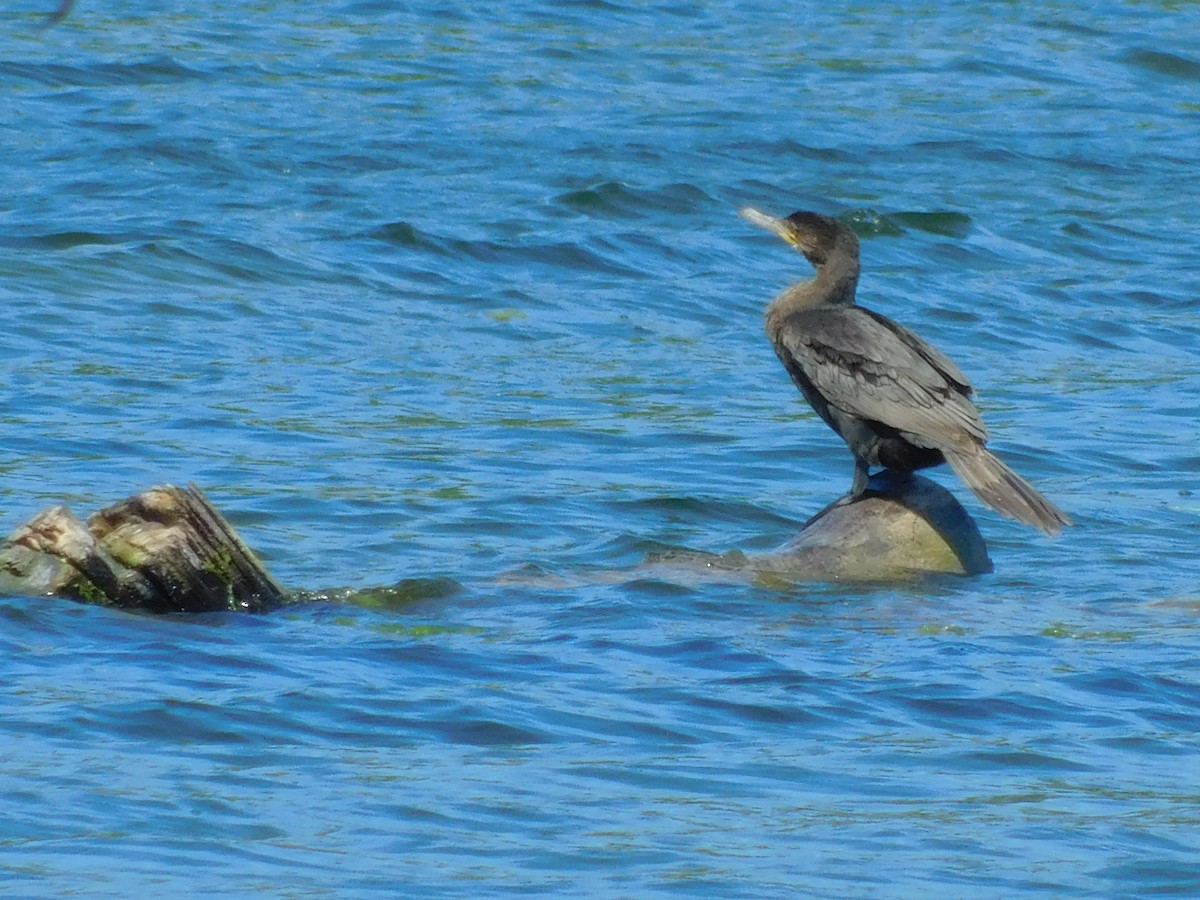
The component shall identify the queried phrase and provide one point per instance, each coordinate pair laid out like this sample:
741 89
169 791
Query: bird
897 401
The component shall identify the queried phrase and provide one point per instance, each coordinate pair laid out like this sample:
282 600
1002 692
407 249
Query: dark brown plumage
896 400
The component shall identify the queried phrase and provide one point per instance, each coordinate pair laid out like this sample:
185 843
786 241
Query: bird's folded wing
873 369
931 354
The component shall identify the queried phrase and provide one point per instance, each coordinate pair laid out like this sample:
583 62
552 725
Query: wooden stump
164 550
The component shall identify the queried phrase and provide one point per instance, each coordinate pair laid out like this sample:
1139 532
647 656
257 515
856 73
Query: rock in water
902 527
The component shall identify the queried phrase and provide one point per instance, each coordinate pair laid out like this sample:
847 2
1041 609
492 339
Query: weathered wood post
165 550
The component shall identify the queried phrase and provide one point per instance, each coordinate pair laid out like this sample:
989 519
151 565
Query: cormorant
896 401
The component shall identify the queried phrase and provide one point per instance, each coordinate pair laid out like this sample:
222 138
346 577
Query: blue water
455 300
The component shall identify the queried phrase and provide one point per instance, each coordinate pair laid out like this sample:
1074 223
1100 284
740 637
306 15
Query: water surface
448 299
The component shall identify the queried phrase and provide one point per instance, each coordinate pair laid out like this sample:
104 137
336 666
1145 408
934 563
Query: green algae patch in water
397 596
1062 630
507 315
423 631
933 628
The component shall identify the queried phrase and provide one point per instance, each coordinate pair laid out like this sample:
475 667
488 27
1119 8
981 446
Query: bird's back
865 366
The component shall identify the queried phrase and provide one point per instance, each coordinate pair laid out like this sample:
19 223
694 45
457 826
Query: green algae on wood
164 550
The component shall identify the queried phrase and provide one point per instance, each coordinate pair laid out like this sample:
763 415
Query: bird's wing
931 354
870 367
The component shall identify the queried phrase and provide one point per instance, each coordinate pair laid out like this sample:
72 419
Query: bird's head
820 238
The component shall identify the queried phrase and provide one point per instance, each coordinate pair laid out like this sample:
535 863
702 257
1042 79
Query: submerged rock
903 526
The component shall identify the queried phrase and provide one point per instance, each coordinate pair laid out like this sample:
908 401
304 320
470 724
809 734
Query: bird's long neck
833 285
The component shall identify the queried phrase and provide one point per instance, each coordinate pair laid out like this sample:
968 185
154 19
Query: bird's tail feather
1004 490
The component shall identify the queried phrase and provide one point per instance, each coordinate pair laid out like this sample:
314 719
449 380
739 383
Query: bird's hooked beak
773 224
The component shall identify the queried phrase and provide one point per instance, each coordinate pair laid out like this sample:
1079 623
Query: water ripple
453 313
